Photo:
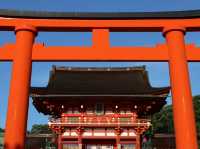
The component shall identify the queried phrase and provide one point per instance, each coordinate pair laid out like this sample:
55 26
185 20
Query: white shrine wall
100 132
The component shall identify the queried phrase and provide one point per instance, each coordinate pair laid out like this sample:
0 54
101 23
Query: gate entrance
99 143
99 146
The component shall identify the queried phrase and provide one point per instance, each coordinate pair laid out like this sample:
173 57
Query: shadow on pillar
17 146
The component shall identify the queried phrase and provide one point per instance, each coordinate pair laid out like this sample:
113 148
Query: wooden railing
99 120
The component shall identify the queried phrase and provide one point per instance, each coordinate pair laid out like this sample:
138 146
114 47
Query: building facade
99 108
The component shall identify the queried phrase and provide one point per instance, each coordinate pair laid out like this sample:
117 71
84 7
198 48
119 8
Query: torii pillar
184 120
17 112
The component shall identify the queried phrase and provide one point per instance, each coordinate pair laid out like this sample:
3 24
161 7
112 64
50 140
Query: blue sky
101 5
158 72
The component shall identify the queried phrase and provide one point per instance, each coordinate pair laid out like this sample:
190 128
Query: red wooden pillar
184 120
60 131
79 133
138 141
17 112
139 130
118 134
60 141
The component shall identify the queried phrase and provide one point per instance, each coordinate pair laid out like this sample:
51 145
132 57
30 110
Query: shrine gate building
99 108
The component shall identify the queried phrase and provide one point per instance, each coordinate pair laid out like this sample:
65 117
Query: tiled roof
73 81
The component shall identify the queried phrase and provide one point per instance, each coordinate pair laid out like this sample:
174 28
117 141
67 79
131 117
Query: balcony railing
99 120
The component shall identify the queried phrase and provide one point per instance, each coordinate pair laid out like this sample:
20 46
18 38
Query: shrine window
122 111
99 108
76 111
69 111
128 112
90 110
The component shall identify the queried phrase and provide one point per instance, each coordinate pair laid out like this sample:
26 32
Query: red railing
99 120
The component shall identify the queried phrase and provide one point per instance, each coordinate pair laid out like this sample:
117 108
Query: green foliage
40 129
197 111
149 133
163 121
1 130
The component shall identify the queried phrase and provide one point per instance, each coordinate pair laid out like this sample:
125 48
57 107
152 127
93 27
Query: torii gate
173 25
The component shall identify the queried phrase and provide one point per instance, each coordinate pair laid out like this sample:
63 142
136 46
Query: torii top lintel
116 21
100 24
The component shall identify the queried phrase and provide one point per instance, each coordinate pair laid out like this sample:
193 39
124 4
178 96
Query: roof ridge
72 68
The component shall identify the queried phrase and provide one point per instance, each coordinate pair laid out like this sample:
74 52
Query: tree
1 130
163 121
40 129
197 111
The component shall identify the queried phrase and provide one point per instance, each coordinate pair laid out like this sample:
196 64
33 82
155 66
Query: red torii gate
173 25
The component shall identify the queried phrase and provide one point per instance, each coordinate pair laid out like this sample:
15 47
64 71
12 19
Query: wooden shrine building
99 108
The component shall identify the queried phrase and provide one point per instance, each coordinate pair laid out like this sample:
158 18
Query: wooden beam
94 53
152 25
